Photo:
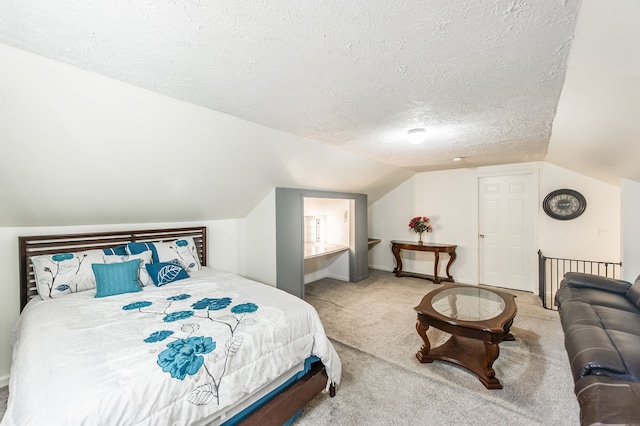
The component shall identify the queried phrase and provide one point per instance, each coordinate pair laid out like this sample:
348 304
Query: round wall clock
564 204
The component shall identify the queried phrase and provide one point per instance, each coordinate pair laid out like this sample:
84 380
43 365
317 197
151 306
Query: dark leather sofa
601 322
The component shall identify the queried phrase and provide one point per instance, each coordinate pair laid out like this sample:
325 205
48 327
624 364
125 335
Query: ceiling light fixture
457 159
416 136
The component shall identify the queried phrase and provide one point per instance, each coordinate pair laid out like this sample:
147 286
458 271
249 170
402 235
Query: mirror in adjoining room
327 238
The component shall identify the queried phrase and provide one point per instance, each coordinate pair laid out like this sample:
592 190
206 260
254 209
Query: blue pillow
119 250
116 278
137 248
166 272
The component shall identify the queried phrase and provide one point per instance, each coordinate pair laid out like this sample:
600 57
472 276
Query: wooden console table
436 249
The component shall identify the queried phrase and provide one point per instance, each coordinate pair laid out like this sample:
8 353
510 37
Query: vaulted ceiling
596 130
492 82
483 77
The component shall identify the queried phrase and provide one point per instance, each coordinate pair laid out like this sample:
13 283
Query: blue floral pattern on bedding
185 356
136 305
175 316
158 336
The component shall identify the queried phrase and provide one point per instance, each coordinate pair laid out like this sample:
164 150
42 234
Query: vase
420 238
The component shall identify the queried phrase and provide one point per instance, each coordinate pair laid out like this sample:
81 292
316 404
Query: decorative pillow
137 248
65 273
116 278
145 257
183 249
119 250
166 272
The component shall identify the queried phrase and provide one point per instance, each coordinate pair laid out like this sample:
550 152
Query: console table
436 249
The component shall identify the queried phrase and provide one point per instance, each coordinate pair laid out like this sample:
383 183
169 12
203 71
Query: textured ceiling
484 77
596 130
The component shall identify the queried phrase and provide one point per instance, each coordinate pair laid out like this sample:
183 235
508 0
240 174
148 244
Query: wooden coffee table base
475 355
477 319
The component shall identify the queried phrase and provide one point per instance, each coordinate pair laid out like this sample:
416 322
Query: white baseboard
4 381
315 276
337 277
381 268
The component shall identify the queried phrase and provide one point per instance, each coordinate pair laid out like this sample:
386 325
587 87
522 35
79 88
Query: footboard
287 403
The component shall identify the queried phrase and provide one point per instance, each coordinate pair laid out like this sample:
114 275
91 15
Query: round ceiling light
416 136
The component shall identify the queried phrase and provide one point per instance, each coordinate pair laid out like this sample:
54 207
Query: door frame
535 172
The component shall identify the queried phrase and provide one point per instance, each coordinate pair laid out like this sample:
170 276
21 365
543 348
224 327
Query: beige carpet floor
372 326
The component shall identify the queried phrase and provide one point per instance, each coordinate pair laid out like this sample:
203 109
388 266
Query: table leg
426 347
452 258
436 254
491 353
507 336
396 253
475 355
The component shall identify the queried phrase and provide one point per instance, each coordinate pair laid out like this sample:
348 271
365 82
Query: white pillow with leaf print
145 256
183 249
65 273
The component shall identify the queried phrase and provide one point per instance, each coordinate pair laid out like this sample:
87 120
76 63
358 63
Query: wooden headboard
51 244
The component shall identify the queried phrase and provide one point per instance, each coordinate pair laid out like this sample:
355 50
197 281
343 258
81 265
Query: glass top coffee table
477 318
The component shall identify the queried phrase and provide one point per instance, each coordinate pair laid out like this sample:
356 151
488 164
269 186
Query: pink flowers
420 224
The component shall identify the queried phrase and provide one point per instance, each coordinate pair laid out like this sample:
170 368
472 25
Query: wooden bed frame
31 246
275 411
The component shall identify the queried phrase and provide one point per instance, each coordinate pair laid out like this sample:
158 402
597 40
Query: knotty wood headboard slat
30 246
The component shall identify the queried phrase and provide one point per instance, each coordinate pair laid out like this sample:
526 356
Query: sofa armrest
582 280
606 400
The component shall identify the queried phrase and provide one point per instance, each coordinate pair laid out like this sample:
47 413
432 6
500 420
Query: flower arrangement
420 224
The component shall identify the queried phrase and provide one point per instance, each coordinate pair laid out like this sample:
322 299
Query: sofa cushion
591 351
605 400
628 345
578 314
618 320
594 297
601 340
583 280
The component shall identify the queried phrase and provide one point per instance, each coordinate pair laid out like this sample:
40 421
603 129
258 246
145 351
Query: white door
507 211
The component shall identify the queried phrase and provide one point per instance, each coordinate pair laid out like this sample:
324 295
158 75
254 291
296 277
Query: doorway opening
327 238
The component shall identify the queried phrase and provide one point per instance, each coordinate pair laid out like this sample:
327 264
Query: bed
209 348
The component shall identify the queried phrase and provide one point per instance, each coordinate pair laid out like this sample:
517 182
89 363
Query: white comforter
171 355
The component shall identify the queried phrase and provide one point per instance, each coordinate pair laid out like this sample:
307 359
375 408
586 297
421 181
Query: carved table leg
507 335
426 347
452 258
396 253
491 353
436 262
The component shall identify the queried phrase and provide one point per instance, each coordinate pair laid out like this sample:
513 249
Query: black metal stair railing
551 270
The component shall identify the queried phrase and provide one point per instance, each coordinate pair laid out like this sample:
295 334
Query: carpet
372 326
